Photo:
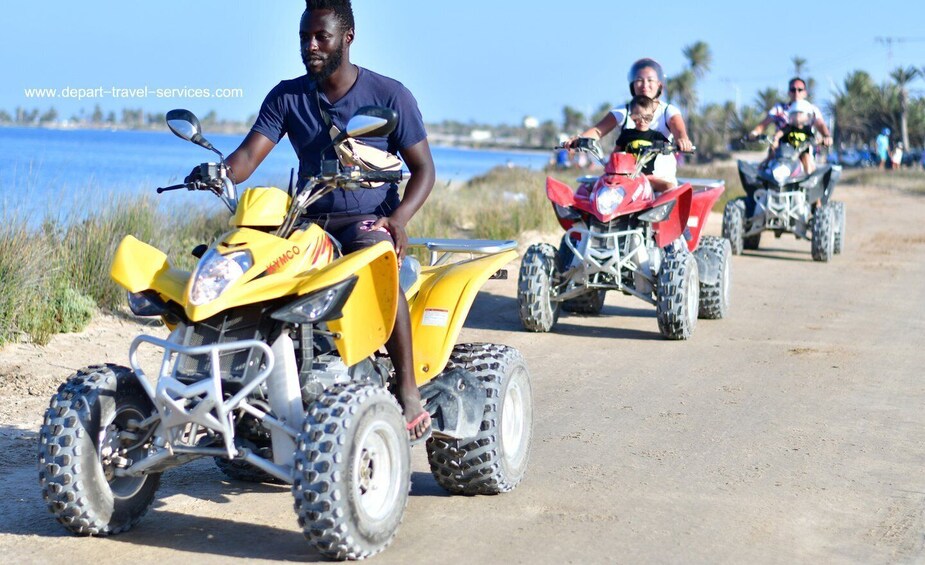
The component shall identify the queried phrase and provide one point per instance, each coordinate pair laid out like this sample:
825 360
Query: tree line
127 118
860 108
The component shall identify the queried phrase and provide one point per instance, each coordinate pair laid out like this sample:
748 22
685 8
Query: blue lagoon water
50 171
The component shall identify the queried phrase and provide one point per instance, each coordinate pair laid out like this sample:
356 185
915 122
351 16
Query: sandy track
789 432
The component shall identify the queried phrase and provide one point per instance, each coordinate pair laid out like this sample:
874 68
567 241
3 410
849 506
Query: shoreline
224 130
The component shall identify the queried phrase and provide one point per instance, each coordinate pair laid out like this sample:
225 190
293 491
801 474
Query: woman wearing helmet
646 78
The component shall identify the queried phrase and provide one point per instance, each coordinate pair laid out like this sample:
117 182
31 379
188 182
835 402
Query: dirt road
792 431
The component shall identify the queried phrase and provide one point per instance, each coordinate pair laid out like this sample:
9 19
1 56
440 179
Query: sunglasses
642 117
797 89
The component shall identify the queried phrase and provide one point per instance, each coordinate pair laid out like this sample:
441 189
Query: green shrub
73 310
55 276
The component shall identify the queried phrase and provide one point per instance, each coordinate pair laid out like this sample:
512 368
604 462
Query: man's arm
421 181
759 129
248 156
824 130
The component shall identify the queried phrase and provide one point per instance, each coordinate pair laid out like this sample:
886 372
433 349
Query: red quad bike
621 235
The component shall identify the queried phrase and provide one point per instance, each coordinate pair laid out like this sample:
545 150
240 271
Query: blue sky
485 61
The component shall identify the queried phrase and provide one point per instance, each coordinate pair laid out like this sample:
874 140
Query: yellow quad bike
273 368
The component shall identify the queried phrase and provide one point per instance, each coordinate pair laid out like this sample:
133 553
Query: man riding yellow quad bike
273 368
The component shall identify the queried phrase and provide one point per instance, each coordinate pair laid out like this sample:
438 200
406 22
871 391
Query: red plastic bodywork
620 164
673 226
701 204
690 211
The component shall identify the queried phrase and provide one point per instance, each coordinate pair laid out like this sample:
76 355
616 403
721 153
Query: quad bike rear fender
441 305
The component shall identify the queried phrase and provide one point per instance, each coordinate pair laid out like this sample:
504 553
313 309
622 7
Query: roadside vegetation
56 276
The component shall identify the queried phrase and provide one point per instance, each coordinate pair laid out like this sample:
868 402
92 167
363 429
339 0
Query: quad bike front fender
748 174
368 315
138 266
821 183
559 193
441 306
672 227
702 200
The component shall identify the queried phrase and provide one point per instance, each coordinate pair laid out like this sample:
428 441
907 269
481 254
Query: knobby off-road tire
839 244
538 312
495 460
352 471
589 304
734 224
823 241
677 295
83 419
714 298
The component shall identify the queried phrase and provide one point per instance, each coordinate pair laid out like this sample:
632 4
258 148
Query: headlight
607 199
324 304
216 272
659 213
781 173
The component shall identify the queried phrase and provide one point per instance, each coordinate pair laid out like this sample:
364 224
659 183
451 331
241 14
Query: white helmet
800 106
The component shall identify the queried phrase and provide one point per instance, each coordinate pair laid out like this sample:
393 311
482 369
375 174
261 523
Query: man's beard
329 66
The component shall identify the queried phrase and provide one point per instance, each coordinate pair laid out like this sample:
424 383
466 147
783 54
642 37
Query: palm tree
799 64
858 107
904 76
684 86
699 57
572 120
767 98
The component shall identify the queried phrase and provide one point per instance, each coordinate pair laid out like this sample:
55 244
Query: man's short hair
342 9
795 79
644 103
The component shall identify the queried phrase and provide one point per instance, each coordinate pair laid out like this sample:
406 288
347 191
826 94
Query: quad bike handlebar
761 138
662 148
192 185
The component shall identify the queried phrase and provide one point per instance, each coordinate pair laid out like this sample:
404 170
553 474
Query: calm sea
47 171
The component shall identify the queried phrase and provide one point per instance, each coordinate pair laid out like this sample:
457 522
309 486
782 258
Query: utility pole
889 41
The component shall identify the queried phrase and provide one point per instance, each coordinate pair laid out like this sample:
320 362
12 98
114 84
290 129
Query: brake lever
163 189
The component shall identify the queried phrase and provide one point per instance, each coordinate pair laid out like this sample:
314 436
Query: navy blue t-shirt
292 108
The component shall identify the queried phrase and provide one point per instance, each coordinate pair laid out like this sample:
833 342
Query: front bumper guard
185 410
600 252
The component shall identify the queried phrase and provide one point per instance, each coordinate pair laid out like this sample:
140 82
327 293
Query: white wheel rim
513 420
376 471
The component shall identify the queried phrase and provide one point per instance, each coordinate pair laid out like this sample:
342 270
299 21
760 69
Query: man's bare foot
416 418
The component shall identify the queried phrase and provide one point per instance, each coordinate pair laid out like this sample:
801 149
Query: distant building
480 135
531 123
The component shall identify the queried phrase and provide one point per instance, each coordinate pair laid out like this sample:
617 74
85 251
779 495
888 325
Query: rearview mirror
372 121
185 125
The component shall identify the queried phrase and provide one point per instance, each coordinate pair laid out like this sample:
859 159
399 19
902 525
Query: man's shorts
354 232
